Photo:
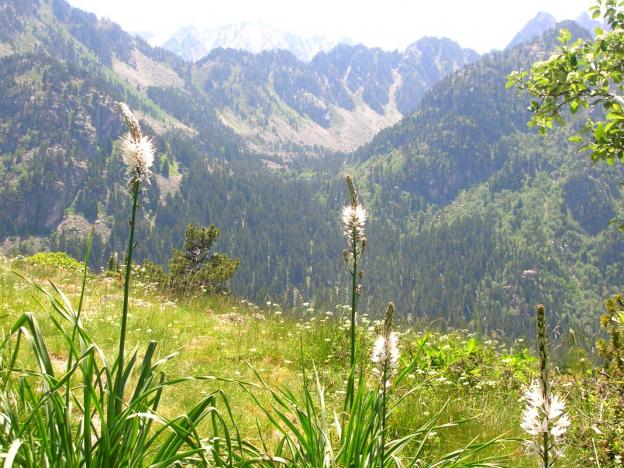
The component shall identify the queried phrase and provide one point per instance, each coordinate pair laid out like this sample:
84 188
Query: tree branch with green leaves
584 74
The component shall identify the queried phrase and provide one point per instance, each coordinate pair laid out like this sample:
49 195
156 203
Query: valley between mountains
474 217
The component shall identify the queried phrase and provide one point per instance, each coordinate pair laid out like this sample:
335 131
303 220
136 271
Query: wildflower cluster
353 220
544 417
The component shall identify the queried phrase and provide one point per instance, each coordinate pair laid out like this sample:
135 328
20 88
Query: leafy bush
192 271
55 260
612 351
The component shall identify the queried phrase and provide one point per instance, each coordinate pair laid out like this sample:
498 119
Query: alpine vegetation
138 155
360 435
544 417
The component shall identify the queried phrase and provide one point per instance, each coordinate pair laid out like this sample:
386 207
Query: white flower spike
137 149
544 417
385 355
353 220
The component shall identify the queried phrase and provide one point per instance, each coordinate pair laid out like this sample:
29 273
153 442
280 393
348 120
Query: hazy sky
479 24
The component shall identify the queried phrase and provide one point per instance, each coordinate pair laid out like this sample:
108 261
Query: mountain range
192 44
337 101
474 218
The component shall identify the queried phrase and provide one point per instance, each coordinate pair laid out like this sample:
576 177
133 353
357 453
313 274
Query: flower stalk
385 357
138 155
544 417
353 221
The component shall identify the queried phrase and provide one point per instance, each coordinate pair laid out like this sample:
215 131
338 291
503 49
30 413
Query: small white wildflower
386 351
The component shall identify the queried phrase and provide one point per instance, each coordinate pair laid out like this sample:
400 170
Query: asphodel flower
353 221
385 355
544 417
137 150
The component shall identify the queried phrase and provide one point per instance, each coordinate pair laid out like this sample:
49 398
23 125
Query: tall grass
45 430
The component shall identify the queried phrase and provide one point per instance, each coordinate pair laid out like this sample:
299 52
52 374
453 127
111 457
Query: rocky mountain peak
537 26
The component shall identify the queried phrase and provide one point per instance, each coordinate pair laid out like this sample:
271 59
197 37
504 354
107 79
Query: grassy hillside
229 340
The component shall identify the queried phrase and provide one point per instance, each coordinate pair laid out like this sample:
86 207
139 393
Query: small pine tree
165 168
113 263
195 269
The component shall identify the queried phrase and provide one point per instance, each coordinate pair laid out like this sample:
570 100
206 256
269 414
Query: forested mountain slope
61 73
492 217
280 104
473 217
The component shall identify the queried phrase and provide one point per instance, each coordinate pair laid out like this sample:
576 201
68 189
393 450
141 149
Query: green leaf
564 36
